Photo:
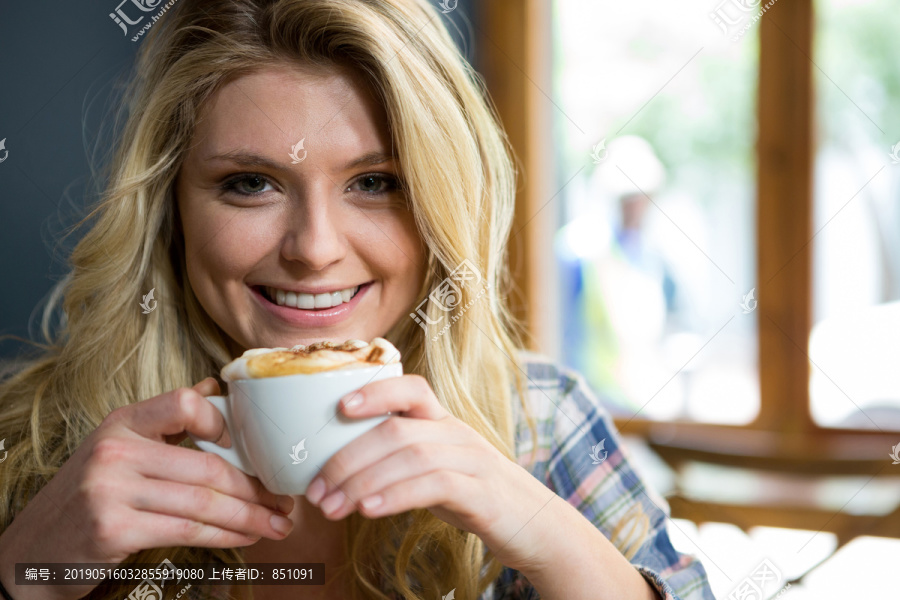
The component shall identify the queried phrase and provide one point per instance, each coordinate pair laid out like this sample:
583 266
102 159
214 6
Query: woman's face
280 237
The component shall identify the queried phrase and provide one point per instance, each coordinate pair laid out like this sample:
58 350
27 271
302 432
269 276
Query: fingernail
315 491
280 524
333 502
352 400
372 501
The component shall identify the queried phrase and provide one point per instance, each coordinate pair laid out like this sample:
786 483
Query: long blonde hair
108 354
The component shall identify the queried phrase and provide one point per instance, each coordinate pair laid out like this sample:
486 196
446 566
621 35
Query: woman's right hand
128 487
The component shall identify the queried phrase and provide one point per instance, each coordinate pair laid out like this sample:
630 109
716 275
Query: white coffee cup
284 429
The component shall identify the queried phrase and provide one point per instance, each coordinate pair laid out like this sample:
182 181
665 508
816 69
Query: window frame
515 46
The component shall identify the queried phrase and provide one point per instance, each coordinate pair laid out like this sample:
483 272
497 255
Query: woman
279 157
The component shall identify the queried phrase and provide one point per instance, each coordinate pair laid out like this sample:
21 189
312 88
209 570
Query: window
854 346
752 157
657 248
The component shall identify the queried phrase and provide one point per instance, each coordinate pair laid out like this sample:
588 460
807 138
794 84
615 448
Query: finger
387 438
407 463
206 505
409 395
156 530
210 387
414 461
438 488
195 467
207 387
172 413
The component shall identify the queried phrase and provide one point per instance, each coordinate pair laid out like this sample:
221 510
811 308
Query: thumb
208 387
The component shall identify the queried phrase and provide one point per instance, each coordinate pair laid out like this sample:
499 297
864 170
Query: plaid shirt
580 456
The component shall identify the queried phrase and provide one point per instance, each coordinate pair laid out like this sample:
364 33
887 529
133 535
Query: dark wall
57 57
59 67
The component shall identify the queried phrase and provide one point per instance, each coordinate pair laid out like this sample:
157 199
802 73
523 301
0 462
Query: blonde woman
499 476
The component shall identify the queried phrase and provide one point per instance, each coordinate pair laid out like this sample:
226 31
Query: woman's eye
247 185
377 184
252 184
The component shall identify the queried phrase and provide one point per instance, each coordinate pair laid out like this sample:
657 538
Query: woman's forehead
262 111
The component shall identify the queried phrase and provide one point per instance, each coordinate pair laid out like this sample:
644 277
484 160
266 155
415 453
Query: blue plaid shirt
579 455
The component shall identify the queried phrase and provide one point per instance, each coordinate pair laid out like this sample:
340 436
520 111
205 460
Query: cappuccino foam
314 358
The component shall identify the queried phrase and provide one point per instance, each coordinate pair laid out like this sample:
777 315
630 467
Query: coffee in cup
315 358
282 407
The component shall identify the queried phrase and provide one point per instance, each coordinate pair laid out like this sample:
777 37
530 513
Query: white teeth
323 300
311 301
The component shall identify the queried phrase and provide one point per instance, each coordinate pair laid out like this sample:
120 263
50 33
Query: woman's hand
128 487
426 458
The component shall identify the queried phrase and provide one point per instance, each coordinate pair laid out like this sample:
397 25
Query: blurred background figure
620 288
628 307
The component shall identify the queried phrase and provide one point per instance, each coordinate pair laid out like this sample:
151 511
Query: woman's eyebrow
249 159
369 159
246 159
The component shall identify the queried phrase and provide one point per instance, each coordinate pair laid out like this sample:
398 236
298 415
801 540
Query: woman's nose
314 236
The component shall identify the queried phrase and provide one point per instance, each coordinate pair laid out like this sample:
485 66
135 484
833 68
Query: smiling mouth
309 301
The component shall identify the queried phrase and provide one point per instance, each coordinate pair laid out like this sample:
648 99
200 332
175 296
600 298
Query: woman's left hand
426 458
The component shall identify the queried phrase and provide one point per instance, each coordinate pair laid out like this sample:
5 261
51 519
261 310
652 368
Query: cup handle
234 456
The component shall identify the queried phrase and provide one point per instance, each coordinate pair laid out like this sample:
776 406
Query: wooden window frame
514 58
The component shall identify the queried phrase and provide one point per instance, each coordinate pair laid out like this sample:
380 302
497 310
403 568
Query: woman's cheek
219 262
242 240
392 230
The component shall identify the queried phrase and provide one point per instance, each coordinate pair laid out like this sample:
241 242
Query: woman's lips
321 317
